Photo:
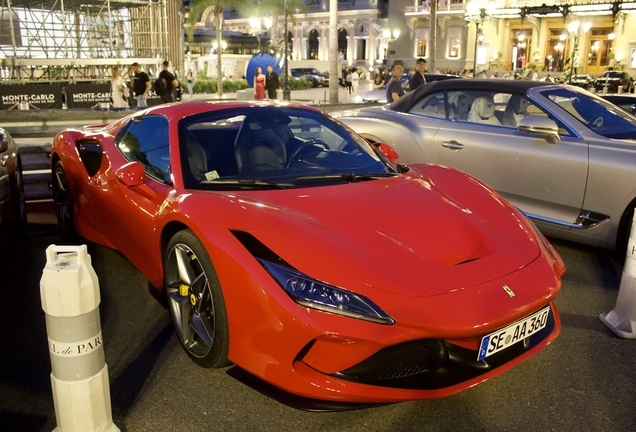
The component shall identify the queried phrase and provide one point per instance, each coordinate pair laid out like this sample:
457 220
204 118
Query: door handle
453 145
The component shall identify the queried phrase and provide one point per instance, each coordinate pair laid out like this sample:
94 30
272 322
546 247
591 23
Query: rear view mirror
387 151
542 126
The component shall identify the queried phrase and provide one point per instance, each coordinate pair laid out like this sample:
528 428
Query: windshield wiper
245 183
350 177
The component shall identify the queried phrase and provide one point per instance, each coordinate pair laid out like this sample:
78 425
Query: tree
333 51
432 37
276 8
197 8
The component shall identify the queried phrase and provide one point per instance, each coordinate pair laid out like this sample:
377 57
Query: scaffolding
71 40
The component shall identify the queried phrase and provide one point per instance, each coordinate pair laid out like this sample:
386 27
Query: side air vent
90 152
258 249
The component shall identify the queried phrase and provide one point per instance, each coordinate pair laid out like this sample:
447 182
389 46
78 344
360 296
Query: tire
62 199
20 213
624 229
195 301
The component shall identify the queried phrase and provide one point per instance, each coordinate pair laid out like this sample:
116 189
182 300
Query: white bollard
620 89
622 319
69 290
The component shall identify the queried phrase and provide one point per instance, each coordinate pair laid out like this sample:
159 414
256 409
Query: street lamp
390 36
573 29
286 89
215 45
260 26
478 13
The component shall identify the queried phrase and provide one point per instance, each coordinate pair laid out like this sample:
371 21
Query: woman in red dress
259 84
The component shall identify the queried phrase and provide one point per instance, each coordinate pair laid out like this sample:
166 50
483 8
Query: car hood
405 235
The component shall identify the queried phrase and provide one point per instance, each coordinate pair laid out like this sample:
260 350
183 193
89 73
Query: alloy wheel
190 300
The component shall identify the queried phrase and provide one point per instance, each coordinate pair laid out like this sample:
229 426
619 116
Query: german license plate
502 339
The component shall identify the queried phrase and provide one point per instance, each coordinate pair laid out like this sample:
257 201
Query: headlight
314 294
359 99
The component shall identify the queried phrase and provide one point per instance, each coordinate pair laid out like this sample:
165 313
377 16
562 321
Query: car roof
509 86
179 110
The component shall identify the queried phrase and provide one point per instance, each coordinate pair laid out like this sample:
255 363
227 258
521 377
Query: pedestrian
272 83
355 79
464 73
140 84
535 75
394 88
417 79
259 84
349 81
495 74
171 83
190 81
378 79
119 90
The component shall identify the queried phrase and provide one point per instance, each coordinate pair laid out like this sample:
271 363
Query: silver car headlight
317 295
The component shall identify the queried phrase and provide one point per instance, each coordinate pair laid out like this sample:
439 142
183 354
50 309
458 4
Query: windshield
613 75
599 115
273 147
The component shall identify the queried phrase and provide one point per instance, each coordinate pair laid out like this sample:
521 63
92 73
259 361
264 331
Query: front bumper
324 357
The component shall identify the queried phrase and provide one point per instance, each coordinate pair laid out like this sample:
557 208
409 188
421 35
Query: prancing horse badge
508 291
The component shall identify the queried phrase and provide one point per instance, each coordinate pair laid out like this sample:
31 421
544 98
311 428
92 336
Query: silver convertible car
564 156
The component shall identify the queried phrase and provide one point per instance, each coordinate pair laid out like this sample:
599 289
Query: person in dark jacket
272 83
417 79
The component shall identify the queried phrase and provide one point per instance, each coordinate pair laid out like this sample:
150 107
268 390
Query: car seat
459 106
516 109
258 148
483 111
197 158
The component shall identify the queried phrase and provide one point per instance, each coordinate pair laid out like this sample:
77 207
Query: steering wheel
596 123
304 148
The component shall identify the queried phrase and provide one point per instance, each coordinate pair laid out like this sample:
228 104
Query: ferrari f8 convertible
287 245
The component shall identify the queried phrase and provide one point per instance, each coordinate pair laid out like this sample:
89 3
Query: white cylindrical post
622 319
69 291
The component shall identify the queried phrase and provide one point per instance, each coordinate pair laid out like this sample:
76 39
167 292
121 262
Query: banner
87 95
30 96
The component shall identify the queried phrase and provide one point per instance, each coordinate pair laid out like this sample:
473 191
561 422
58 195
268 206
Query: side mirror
542 126
4 141
131 174
387 151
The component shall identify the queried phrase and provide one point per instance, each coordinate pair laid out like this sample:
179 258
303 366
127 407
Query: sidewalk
318 95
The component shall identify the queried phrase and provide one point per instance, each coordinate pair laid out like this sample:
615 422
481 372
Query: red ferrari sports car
287 245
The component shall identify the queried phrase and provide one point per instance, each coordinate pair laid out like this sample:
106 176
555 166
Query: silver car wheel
195 301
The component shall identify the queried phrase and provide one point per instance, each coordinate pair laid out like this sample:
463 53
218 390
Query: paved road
584 381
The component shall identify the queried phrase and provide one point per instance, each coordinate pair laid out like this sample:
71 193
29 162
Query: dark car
612 80
582 80
314 76
12 201
626 102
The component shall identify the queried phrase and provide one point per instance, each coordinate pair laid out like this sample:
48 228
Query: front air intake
399 361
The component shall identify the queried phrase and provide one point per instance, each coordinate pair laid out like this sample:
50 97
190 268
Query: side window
145 140
483 107
430 106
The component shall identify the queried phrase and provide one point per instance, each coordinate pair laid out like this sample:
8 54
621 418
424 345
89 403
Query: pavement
584 381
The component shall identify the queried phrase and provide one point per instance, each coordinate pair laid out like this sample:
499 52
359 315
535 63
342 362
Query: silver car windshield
601 116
